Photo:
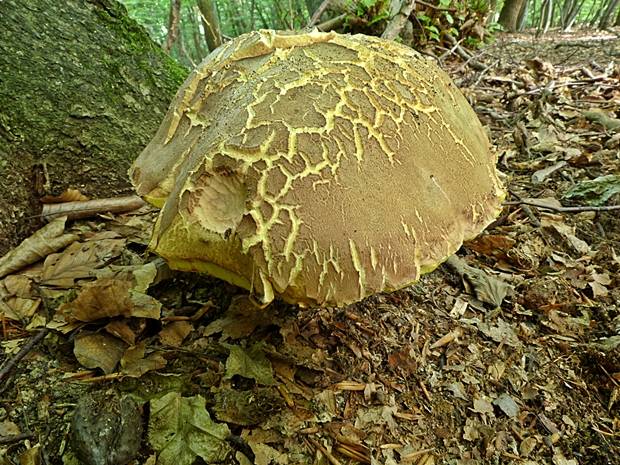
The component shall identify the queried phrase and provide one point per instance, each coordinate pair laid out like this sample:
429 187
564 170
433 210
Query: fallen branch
562 209
331 23
319 11
10 363
465 55
4 440
74 210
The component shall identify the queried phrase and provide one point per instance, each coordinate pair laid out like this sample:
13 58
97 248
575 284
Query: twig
333 460
562 209
483 72
88 208
10 363
15 438
331 23
450 51
319 11
460 51
528 211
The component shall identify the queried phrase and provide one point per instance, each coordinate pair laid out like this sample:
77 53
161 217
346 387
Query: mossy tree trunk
82 90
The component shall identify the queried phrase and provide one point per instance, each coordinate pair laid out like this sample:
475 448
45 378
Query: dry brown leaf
121 330
19 286
69 195
45 241
174 333
107 298
492 245
79 260
99 350
134 362
240 320
20 309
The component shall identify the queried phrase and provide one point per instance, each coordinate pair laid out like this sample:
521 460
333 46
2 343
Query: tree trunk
617 23
607 17
312 5
211 23
509 16
522 15
173 24
84 89
572 16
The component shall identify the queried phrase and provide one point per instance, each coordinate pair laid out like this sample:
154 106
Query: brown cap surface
318 167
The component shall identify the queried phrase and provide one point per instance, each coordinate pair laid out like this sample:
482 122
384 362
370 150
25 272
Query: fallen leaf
487 288
106 298
507 405
493 245
540 175
8 428
482 406
174 333
135 362
79 260
249 363
47 240
69 195
248 407
99 350
240 319
595 191
180 429
598 290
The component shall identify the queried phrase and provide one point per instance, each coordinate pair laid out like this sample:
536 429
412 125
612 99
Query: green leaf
249 363
449 18
596 191
180 429
424 18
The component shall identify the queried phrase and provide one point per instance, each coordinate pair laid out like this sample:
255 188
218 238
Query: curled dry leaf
47 240
69 195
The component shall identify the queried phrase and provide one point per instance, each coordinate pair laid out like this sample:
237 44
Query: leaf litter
511 354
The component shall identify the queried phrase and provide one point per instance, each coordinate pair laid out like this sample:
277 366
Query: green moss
85 89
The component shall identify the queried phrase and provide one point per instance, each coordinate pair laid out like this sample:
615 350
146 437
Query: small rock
106 429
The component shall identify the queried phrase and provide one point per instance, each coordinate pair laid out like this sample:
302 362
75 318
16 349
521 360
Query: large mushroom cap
318 167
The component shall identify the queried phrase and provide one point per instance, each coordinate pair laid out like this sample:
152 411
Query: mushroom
317 167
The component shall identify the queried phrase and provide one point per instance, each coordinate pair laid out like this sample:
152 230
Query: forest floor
509 355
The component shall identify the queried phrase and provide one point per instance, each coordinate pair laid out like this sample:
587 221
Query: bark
522 15
211 23
607 17
509 15
617 23
87 89
173 24
194 17
573 7
312 5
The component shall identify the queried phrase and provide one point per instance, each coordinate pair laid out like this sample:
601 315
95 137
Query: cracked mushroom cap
317 167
